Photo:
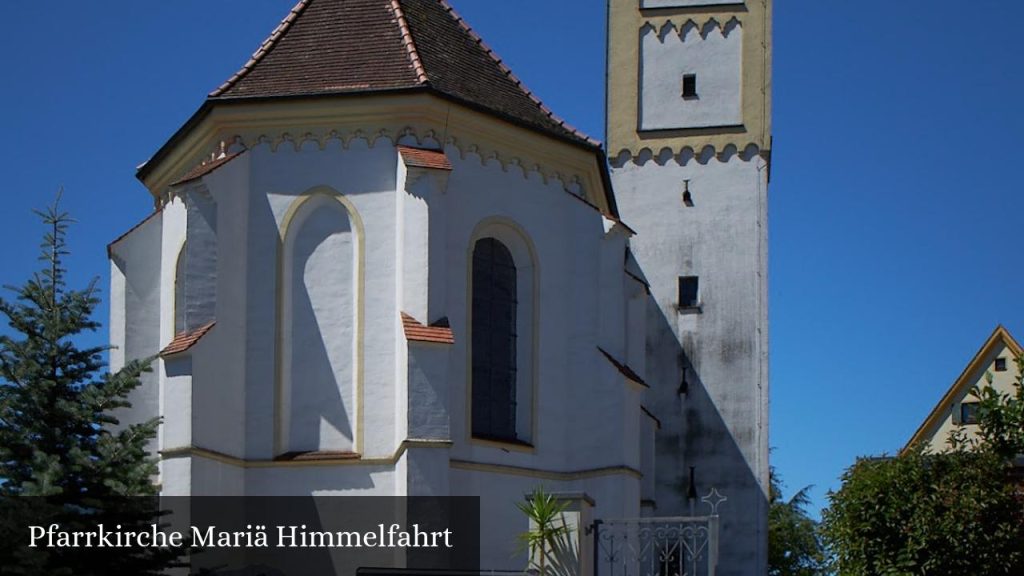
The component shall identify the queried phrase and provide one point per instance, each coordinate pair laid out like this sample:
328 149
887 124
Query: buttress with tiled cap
346 46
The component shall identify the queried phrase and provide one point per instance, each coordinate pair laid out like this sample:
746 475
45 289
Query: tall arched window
494 343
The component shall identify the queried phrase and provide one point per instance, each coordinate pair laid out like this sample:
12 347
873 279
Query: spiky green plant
547 541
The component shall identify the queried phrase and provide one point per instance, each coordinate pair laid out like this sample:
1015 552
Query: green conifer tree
60 440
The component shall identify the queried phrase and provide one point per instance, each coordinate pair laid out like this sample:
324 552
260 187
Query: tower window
1000 364
688 292
689 85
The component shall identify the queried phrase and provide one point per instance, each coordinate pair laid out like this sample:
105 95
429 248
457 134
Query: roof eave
144 171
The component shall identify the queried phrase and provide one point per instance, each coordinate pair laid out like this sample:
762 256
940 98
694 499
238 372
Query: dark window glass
689 85
494 341
1000 364
969 413
688 289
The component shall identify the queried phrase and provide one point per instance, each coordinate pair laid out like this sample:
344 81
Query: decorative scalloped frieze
685 155
527 167
686 29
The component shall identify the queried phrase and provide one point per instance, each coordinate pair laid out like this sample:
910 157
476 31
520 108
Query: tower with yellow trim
689 139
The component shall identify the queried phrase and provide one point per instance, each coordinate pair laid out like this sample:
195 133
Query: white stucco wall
365 239
719 426
320 354
713 53
134 319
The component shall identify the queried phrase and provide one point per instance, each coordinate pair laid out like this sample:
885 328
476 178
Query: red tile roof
317 456
110 247
344 46
185 340
420 158
417 332
205 168
623 369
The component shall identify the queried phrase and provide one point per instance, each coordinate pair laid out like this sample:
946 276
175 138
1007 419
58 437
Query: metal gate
658 546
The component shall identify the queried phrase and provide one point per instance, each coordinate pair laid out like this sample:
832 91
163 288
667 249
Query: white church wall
219 358
118 315
712 54
174 217
177 401
364 176
571 431
134 318
612 318
718 423
176 476
318 400
427 471
428 401
636 327
213 478
327 480
199 285
615 495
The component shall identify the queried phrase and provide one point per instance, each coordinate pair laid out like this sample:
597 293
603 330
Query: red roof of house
185 340
420 158
417 332
344 46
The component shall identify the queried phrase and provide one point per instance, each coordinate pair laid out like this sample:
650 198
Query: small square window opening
969 413
1000 364
688 292
689 85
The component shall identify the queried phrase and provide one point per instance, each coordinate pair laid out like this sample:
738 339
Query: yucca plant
547 541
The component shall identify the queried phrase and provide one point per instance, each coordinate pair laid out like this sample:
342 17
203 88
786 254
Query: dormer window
689 85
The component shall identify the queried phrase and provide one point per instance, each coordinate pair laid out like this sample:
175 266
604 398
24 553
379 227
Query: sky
895 202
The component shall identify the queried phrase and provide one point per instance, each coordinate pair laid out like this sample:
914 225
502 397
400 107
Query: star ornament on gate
714 499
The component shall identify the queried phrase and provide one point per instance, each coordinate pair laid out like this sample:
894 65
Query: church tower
689 139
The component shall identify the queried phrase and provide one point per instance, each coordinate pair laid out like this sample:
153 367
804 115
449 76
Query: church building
379 265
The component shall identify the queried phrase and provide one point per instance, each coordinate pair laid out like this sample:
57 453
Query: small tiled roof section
316 456
185 340
623 369
346 46
418 332
422 158
205 168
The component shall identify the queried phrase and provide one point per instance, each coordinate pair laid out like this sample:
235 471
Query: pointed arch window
494 341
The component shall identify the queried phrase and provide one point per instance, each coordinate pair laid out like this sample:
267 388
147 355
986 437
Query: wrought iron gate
665 546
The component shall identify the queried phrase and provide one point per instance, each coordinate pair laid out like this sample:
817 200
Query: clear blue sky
896 199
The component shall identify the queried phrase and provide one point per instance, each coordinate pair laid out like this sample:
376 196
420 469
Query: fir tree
59 437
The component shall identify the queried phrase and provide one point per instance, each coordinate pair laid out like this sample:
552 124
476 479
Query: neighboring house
378 265
994 365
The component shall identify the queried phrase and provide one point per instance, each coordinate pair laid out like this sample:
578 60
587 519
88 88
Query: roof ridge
409 43
263 49
511 76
